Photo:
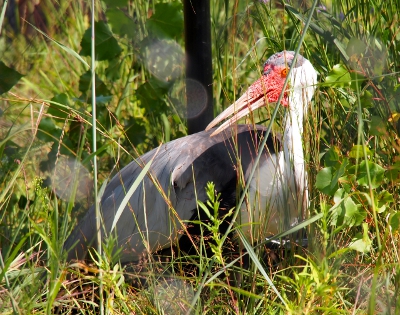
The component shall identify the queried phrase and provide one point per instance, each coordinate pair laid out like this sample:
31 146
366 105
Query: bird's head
268 88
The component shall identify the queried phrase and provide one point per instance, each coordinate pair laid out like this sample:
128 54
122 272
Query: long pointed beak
262 92
242 107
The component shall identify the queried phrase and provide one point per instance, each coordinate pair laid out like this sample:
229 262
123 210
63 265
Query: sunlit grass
329 277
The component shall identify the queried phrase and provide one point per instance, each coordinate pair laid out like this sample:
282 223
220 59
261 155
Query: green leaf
348 182
377 126
120 22
205 209
47 130
8 78
151 95
394 221
366 99
354 214
339 76
361 242
393 173
106 46
356 80
256 261
346 99
135 130
167 21
331 157
346 212
116 3
324 181
383 200
357 152
85 83
113 70
376 172
339 173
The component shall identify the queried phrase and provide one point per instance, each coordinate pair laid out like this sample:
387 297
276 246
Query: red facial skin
264 91
270 85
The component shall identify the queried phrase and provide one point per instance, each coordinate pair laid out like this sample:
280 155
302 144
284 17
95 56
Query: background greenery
351 138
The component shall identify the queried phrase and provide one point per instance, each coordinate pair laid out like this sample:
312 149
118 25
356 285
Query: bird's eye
284 72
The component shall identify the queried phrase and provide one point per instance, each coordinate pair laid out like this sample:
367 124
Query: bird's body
166 199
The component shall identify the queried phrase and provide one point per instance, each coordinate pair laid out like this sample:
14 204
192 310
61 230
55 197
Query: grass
351 142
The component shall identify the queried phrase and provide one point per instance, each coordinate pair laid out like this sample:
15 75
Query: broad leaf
376 172
47 130
383 200
116 3
393 173
361 242
120 22
151 95
324 181
366 99
85 83
167 21
339 76
357 79
357 152
348 182
346 212
339 173
8 78
395 221
331 157
106 46
377 126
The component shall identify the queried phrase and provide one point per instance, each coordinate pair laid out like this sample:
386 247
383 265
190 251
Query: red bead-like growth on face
270 84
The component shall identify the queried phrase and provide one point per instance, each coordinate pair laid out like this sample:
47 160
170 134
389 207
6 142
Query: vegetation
351 265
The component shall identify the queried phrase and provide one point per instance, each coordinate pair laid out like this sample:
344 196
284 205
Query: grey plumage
180 170
166 198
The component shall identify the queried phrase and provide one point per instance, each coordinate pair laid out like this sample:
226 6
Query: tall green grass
351 142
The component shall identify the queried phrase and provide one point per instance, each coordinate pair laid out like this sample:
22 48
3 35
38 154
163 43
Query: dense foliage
351 141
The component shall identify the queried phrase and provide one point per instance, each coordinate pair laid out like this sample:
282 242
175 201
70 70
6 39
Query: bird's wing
167 196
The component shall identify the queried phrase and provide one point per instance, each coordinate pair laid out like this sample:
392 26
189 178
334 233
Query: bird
281 183
161 208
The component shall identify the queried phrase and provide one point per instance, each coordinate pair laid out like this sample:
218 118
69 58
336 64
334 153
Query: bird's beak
262 92
247 103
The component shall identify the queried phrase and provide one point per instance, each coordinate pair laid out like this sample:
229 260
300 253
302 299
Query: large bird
159 210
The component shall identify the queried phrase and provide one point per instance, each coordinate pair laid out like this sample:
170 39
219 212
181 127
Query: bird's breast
270 206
